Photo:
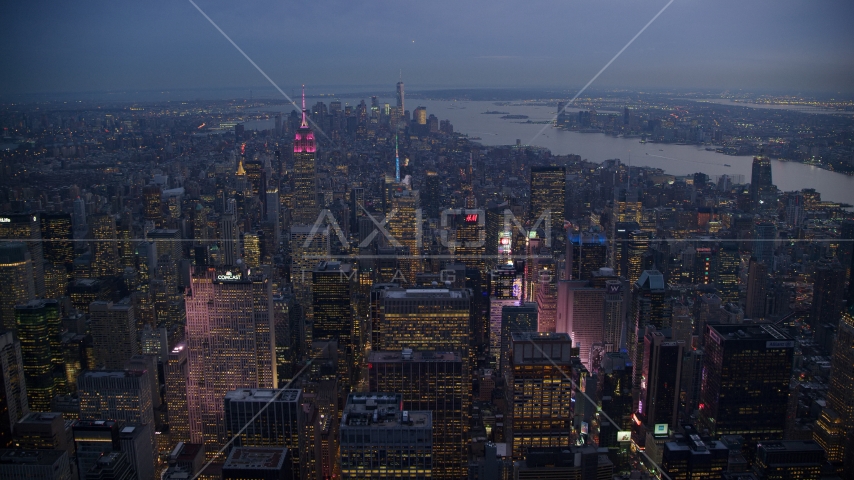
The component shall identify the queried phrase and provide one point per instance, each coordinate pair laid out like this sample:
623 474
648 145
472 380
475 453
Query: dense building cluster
359 292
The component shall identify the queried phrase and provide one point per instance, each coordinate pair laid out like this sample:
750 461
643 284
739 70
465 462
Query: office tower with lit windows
58 249
757 278
229 235
539 392
620 246
470 245
13 386
401 107
167 241
828 292
658 405
650 306
267 418
17 267
26 228
432 198
152 210
39 325
764 243
252 249
305 172
729 262
380 440
40 430
424 320
254 171
614 316
430 381
745 383
586 253
105 260
705 266
692 457
638 245
113 327
835 429
308 247
515 319
230 344
58 235
801 459
580 312
332 289
404 225
762 189
504 291
177 372
548 197
120 395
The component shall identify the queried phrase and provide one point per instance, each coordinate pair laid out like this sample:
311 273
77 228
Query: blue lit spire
396 161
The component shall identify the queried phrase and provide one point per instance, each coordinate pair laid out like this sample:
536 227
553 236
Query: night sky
788 45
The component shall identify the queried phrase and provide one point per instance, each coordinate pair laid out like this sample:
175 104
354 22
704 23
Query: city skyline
778 46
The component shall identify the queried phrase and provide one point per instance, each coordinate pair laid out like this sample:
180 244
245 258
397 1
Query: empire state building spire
304 123
305 171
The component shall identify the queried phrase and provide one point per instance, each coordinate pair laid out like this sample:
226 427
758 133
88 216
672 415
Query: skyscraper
404 225
539 392
835 429
308 247
431 381
39 329
16 267
580 314
332 289
515 319
504 291
13 386
659 393
432 195
650 306
266 418
548 197
105 261
177 373
827 293
58 234
745 383
756 280
120 395
401 107
470 246
229 345
113 328
380 440
425 320
729 261
764 240
762 189
27 228
305 172
586 253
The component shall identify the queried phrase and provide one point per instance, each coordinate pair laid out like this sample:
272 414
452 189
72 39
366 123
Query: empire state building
305 172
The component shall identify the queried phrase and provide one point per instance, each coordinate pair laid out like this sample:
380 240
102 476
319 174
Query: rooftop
760 331
263 395
256 458
382 410
381 357
425 293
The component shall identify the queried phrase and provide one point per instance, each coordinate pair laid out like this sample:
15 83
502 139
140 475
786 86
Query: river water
467 117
